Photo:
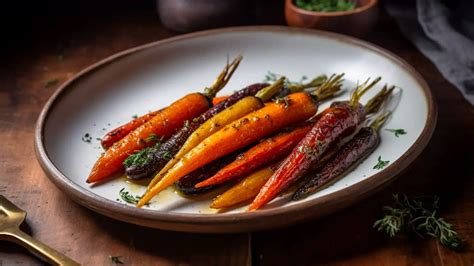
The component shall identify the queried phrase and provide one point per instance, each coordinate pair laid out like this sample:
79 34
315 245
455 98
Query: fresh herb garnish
166 155
418 215
152 138
380 163
51 82
142 157
326 5
87 138
397 131
134 116
283 101
116 259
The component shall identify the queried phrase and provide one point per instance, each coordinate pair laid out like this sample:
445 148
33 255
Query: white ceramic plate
149 77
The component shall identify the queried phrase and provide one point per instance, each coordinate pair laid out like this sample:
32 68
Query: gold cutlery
11 217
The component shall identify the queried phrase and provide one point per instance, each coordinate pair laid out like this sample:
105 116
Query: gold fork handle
39 249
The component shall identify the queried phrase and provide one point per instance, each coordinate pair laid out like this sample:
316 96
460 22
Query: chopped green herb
129 198
51 82
134 116
418 215
283 101
380 163
142 157
87 138
152 138
60 57
167 156
116 259
307 150
397 131
326 5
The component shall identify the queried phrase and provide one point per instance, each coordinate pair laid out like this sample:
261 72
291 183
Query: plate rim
234 222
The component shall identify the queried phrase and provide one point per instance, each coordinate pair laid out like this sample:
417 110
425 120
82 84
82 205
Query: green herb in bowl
326 5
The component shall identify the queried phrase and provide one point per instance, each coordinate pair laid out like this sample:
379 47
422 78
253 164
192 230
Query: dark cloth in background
444 32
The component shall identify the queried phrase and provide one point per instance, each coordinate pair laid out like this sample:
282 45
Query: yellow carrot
247 189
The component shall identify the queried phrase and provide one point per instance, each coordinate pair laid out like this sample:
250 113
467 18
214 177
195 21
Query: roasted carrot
361 145
295 109
219 99
243 191
186 185
118 133
272 148
335 124
169 149
163 125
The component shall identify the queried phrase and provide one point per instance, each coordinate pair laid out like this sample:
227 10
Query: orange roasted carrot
219 99
164 124
118 133
294 109
266 151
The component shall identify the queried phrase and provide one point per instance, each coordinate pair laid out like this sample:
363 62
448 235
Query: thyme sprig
418 215
397 131
380 163
142 157
128 198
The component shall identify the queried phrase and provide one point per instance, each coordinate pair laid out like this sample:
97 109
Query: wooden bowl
357 22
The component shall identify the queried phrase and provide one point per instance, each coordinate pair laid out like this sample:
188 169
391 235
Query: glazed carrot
338 122
163 125
296 108
118 133
243 191
219 99
273 148
186 185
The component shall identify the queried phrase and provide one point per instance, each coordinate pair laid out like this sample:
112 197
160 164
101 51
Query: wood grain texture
344 238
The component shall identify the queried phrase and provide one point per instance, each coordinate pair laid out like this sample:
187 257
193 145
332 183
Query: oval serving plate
149 77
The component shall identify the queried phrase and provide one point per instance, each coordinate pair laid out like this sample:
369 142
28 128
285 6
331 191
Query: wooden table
31 74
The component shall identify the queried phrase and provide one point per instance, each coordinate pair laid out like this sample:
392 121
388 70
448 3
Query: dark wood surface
27 73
